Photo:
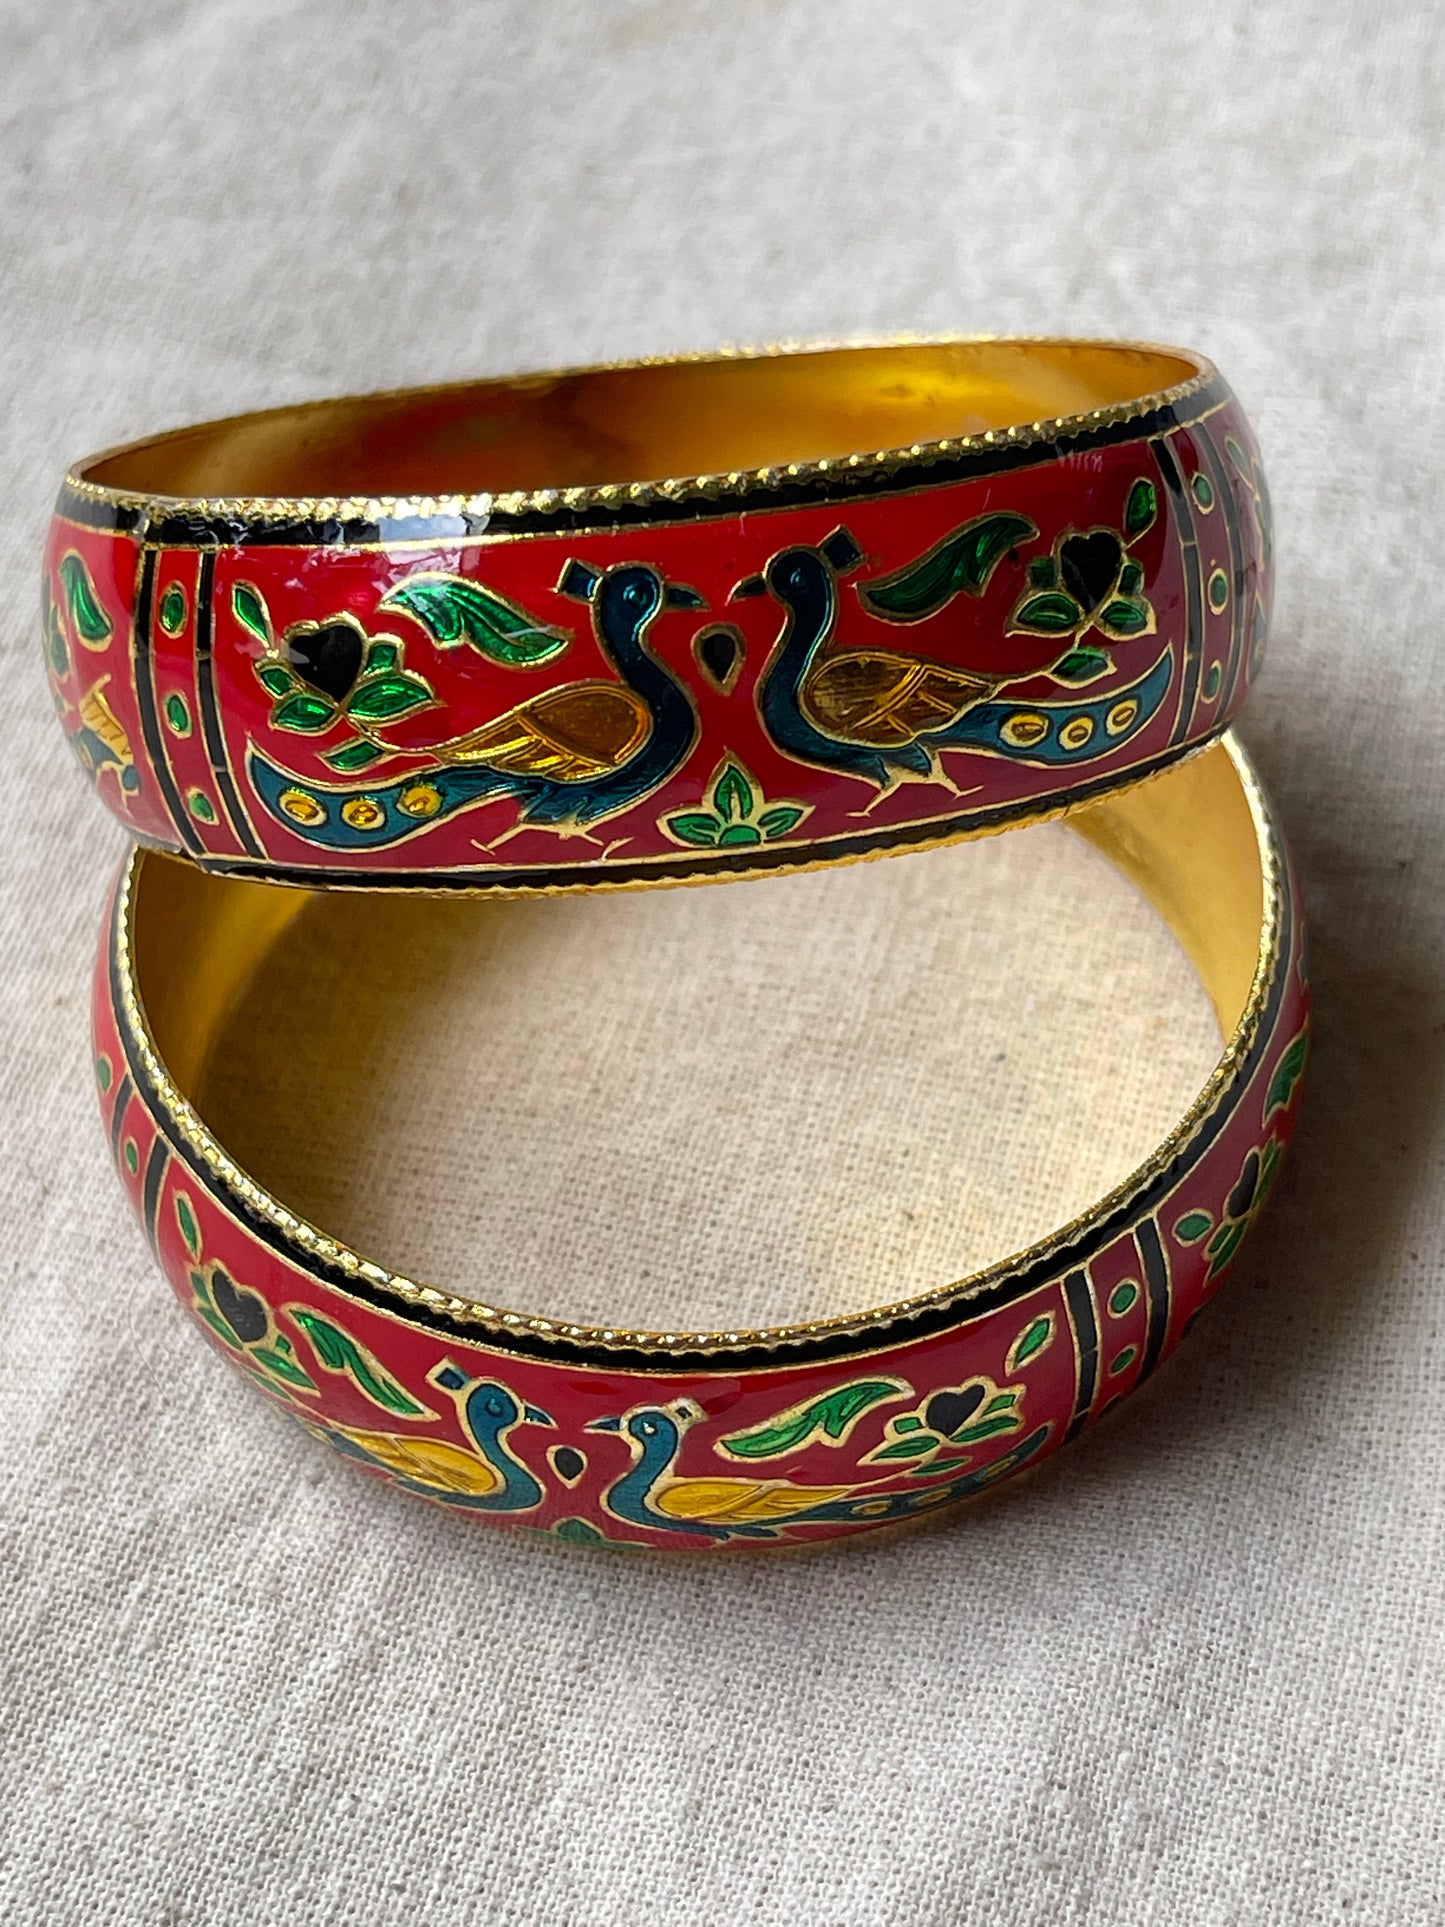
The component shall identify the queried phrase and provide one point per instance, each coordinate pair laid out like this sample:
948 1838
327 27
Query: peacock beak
579 580
751 585
677 595
537 1416
604 1425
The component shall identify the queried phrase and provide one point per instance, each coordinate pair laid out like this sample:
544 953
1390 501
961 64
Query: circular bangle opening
1195 842
690 417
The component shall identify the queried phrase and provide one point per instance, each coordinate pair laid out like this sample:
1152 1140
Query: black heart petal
1090 566
243 1311
948 1412
1242 1196
327 655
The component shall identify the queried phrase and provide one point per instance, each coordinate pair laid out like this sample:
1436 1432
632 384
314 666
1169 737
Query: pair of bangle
896 597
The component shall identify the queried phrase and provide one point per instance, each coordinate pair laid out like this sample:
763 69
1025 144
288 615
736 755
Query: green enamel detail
1213 677
1203 492
103 1072
178 716
337 1351
830 1418
250 611
357 754
189 1229
1141 509
1192 1226
452 609
1032 1341
1288 1072
130 1151
379 699
1218 590
173 610
87 613
578 1532
1123 1297
200 806
1052 613
960 564
735 815
304 713
1123 1361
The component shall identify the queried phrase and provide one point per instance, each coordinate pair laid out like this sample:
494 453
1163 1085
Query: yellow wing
97 715
739 1501
570 735
433 1462
876 698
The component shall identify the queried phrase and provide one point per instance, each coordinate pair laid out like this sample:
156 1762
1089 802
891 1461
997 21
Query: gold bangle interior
1194 841
592 427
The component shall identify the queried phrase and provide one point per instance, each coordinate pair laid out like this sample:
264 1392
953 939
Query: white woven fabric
1192 1672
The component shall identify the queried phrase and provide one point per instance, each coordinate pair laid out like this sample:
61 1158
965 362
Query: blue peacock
569 757
650 1494
489 1478
885 716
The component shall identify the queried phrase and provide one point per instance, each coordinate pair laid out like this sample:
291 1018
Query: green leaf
219 1326
779 820
831 1417
177 715
938 1465
276 677
357 754
1005 1402
173 609
732 795
1223 1246
280 1366
190 1230
338 1351
382 655
986 1428
1043 572
1131 578
1123 617
695 826
1051 614
92 624
1033 1340
1192 1226
577 1532
1142 508
905 1448
250 611
1287 1073
55 643
1081 666
910 1422
961 563
304 713
453 609
380 697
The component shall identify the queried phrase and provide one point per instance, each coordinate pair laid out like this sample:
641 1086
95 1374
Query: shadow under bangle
447 638
716 1440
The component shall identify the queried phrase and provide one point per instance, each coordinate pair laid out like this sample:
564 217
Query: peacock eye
495 1408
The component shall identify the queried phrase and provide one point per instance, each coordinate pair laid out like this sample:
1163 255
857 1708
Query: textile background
1193 1671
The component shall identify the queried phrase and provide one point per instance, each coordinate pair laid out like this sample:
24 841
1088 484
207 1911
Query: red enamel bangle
723 1439
890 597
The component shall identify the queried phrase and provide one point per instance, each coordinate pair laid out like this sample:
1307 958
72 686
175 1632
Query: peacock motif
885 716
570 757
491 1477
652 1495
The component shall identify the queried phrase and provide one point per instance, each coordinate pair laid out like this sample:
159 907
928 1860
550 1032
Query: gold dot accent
1076 732
1121 716
419 799
301 808
1024 728
363 813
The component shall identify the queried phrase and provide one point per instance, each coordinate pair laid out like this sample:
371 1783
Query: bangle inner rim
648 421
1195 841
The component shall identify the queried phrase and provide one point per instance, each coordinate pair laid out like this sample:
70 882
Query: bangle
723 1439
899 596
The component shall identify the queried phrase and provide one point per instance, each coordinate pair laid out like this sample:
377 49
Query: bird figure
876 713
490 1478
650 1494
569 757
